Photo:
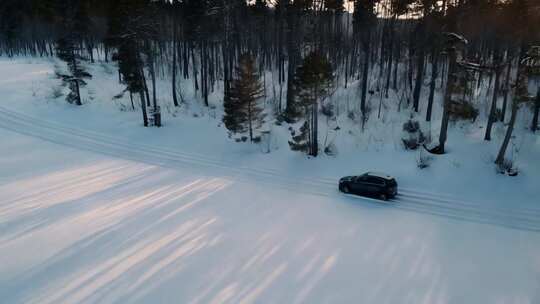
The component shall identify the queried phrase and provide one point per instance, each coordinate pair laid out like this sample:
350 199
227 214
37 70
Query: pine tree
243 112
314 80
364 20
131 27
68 46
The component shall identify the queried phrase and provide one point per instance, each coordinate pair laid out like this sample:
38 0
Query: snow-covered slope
95 208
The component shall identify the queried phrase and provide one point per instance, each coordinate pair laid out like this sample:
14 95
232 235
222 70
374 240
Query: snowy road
514 216
89 218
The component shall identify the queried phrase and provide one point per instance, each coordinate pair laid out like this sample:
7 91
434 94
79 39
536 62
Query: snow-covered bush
328 110
351 115
411 126
331 150
413 136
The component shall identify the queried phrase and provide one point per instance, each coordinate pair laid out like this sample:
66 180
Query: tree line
404 49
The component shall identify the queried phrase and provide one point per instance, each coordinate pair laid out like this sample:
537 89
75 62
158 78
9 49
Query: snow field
96 209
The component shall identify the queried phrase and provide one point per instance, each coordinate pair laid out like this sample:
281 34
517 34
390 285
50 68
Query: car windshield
392 182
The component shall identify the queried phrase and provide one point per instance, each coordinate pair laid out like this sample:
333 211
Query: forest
281 61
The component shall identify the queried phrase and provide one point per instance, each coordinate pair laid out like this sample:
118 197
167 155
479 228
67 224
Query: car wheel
346 189
384 197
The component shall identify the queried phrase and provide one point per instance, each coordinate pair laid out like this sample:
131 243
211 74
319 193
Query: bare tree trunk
78 91
293 56
175 50
534 125
508 135
520 93
153 75
365 73
76 80
250 120
143 108
131 99
419 79
145 86
506 91
434 75
390 56
492 111
450 84
315 146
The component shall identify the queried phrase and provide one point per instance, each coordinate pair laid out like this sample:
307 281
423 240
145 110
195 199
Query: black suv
370 184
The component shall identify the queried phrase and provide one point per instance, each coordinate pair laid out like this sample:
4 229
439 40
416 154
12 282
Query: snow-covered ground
95 208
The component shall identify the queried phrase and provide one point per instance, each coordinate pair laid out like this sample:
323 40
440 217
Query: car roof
379 174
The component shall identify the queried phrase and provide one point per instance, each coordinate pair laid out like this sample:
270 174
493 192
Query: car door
381 186
373 185
359 185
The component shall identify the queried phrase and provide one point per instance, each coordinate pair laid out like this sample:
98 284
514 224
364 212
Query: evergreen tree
131 28
68 47
364 20
314 80
10 22
243 112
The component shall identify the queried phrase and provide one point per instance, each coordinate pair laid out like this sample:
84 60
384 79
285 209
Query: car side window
376 181
371 180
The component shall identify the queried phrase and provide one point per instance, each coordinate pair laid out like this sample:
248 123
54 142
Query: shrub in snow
411 126
330 150
299 141
327 110
351 115
413 135
410 143
462 110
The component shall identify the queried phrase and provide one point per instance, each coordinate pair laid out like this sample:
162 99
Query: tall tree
454 48
130 29
73 15
314 80
243 110
364 20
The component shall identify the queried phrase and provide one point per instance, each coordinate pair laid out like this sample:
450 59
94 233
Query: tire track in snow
408 200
